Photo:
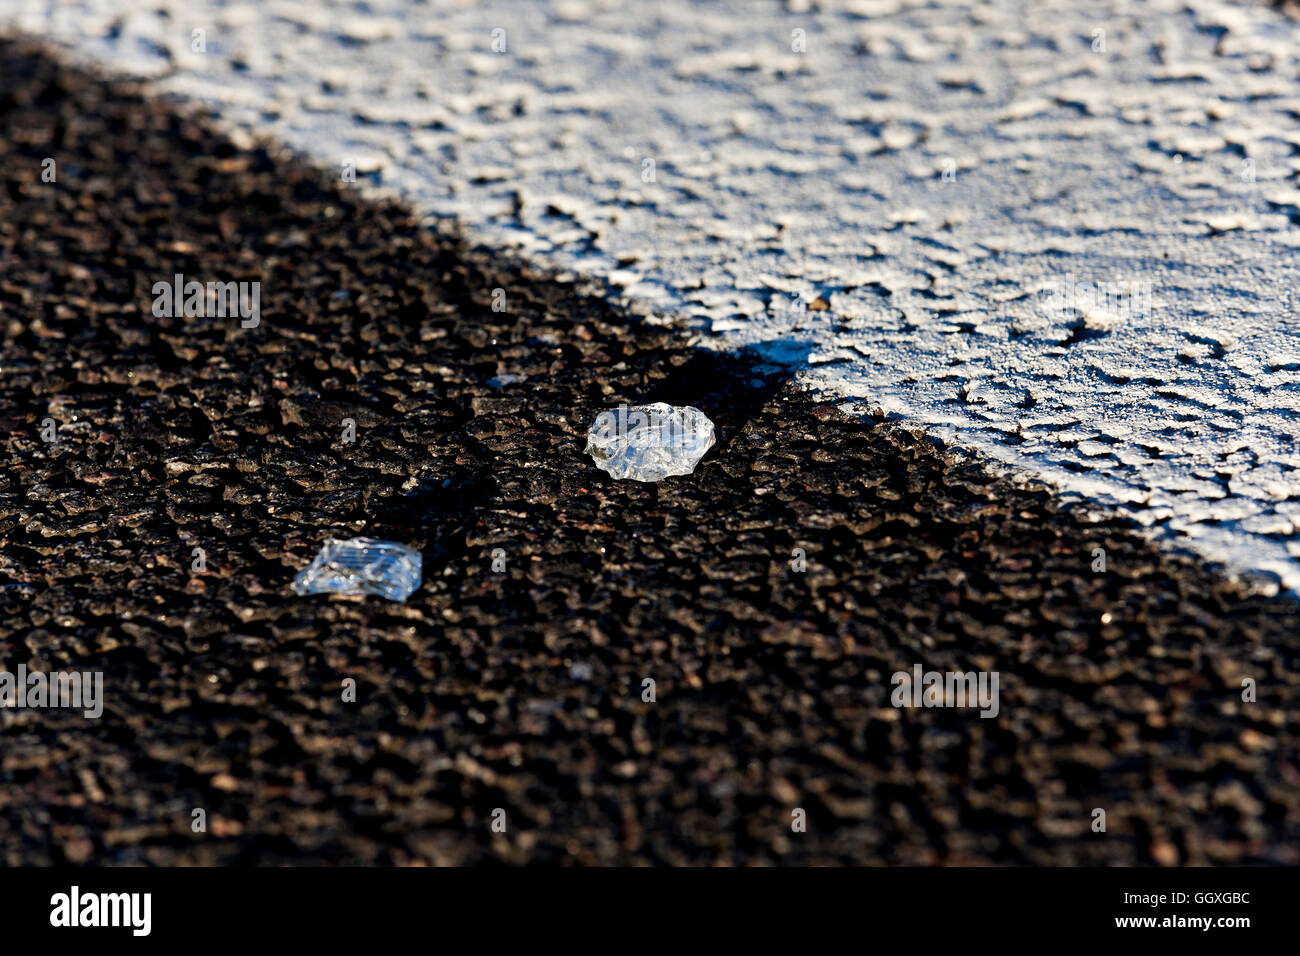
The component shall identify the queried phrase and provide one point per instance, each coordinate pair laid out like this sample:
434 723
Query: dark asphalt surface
523 690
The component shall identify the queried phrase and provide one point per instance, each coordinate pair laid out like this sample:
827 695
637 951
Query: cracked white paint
933 172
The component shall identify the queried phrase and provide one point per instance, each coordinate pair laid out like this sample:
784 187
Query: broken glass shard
649 442
362 566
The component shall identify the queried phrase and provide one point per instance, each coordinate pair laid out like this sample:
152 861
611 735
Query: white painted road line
1061 236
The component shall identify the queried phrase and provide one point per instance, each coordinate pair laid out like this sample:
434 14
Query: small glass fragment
362 566
649 442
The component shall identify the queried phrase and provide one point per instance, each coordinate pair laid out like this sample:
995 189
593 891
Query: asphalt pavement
770 596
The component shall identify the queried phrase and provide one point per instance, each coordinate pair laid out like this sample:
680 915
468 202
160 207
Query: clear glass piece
649 442
362 566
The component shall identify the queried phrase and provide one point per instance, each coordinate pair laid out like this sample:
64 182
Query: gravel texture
522 690
799 152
